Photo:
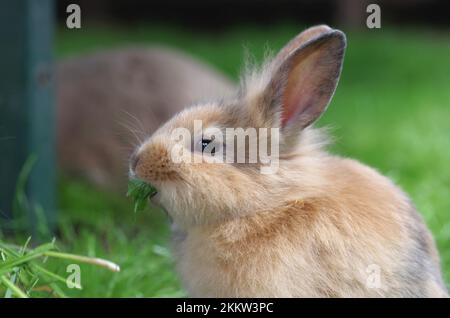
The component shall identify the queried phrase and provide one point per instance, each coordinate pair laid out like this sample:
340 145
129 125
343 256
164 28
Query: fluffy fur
315 228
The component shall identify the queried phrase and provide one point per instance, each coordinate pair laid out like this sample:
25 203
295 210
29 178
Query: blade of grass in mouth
140 191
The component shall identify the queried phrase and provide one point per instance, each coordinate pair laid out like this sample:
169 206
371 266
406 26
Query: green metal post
27 105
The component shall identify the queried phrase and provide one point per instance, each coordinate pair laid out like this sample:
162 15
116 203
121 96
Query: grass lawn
391 111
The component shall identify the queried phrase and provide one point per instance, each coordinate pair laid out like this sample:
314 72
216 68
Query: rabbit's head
204 173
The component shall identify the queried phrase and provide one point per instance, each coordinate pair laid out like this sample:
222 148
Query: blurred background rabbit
110 100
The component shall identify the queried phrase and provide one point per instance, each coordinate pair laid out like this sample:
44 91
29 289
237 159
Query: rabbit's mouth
153 193
155 197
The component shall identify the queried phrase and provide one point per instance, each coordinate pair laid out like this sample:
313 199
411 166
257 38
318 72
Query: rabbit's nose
134 160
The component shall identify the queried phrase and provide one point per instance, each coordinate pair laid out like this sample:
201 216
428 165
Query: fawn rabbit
318 226
99 95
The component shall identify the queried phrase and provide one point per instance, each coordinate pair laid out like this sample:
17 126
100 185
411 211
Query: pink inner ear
300 88
291 105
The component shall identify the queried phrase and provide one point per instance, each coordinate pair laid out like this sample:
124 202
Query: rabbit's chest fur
324 246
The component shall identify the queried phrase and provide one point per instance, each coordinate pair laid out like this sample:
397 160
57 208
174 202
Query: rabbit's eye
206 142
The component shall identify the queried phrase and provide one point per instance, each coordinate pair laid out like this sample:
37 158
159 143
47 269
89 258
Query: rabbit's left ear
303 81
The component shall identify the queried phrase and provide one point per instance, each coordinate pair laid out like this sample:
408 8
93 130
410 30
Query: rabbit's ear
303 80
299 40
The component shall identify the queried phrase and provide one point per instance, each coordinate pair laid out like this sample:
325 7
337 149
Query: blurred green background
391 111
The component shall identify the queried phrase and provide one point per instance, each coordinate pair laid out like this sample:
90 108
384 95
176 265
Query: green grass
99 224
24 272
391 111
140 192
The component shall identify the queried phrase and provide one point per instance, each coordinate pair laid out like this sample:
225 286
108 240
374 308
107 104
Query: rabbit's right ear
303 78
